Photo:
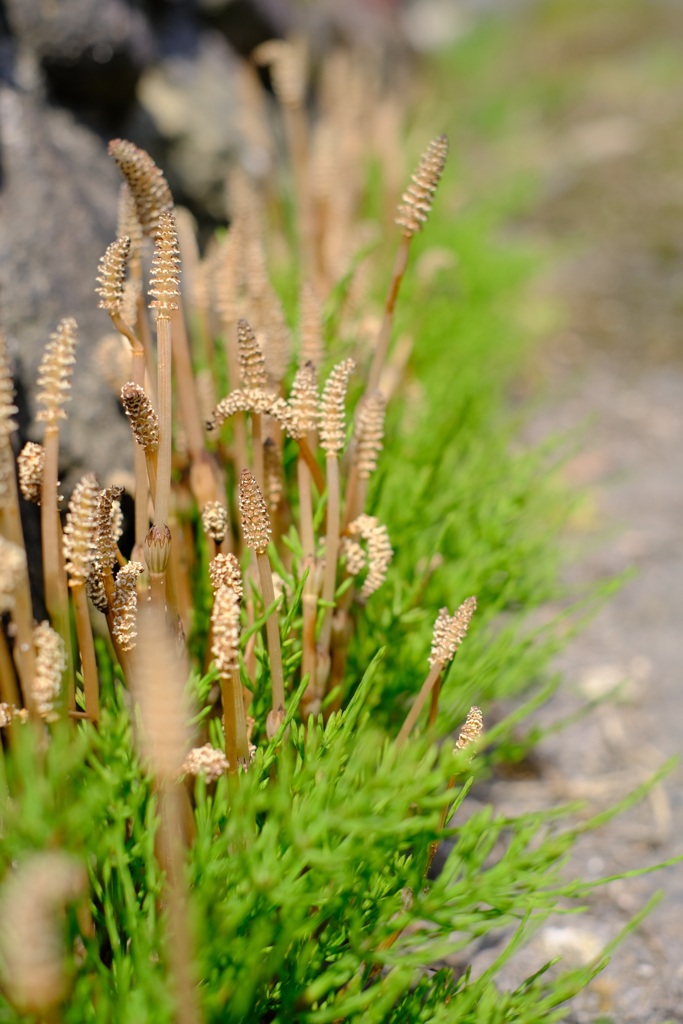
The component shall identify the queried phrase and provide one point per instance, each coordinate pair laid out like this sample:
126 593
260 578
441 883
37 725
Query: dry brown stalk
311 344
256 528
368 436
254 378
411 215
54 380
12 571
449 632
228 287
80 552
164 290
332 428
10 524
287 60
225 626
303 401
159 686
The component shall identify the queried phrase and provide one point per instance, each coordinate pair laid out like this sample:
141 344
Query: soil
609 155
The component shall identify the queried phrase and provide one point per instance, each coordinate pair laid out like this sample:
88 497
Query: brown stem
180 945
257 448
309 599
277 678
413 715
434 705
54 570
236 742
163 489
22 613
8 683
384 337
142 481
86 646
297 138
203 474
330 577
311 461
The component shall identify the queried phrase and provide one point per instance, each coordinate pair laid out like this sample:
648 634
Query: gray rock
57 215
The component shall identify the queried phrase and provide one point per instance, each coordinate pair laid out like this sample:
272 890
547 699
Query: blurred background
567 117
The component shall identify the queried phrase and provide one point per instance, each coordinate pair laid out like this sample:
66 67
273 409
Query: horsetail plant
287 878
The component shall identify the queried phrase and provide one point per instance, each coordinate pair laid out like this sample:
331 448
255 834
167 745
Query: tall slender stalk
411 216
55 381
257 531
332 421
449 632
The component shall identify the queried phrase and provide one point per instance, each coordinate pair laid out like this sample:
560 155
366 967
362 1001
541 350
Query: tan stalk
257 530
164 290
287 63
303 402
100 582
54 380
80 552
227 290
12 571
254 378
311 344
368 436
332 426
274 479
411 216
225 623
159 686
449 632
10 525
112 291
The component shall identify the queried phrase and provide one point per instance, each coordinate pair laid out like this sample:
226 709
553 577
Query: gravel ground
610 160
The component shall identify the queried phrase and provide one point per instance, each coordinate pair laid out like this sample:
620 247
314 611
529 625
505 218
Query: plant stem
384 337
316 473
273 635
22 613
308 599
54 571
330 577
87 648
163 489
236 742
413 715
180 945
